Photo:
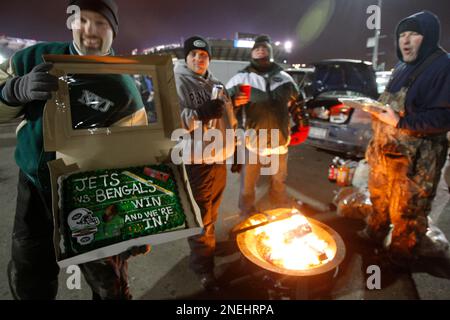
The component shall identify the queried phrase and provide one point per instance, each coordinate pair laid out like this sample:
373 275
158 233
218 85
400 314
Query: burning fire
291 243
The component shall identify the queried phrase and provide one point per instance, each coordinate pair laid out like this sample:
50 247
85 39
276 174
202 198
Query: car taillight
339 113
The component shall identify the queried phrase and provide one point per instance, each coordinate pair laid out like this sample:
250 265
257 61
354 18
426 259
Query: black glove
212 109
135 251
36 85
299 114
236 168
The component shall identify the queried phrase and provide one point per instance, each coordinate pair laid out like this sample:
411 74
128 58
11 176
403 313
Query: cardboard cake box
91 147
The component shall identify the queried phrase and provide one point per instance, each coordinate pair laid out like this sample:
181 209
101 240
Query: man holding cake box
25 86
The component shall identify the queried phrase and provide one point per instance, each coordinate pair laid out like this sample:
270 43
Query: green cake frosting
103 207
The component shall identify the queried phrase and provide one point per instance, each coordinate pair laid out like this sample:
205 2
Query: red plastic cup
245 89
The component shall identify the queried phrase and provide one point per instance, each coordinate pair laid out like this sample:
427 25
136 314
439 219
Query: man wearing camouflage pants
409 145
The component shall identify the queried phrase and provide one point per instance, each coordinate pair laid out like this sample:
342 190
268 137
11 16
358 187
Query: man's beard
97 50
263 64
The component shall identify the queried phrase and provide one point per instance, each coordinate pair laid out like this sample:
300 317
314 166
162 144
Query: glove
36 85
212 109
236 168
135 251
298 135
300 114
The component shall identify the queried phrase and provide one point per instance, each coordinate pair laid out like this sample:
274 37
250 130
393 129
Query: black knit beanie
426 24
264 40
196 43
409 25
263 65
107 8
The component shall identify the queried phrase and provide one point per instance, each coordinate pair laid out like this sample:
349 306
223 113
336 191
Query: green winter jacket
30 155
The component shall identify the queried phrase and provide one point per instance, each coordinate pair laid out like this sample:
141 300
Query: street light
288 46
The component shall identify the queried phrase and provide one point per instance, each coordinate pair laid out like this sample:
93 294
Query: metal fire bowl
247 244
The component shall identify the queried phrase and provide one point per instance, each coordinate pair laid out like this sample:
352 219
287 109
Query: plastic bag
434 244
361 175
353 203
342 194
447 174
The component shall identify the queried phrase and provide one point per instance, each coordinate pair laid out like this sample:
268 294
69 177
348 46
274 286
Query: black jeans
33 271
207 184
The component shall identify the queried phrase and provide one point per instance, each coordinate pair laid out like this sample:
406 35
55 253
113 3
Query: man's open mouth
407 51
92 43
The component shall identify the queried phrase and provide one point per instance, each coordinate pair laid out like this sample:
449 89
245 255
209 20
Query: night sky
155 22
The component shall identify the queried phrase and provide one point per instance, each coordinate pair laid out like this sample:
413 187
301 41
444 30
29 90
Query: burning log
324 252
298 232
291 244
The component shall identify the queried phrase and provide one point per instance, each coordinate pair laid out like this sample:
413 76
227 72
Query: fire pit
295 246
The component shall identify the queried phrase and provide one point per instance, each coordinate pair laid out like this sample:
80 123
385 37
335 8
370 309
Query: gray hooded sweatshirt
194 90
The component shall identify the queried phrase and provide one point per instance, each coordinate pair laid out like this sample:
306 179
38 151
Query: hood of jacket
430 28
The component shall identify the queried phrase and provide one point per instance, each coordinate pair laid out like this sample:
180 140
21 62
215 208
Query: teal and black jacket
30 155
272 93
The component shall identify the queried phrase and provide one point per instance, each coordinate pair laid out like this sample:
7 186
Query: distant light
2 59
288 46
277 43
284 61
243 43
382 80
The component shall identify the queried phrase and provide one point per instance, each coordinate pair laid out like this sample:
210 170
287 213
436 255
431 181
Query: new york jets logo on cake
95 102
199 44
83 225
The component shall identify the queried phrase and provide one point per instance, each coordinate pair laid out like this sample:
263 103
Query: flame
290 243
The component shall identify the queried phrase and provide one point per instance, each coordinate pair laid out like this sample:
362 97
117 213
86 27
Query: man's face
260 52
409 43
94 35
198 61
